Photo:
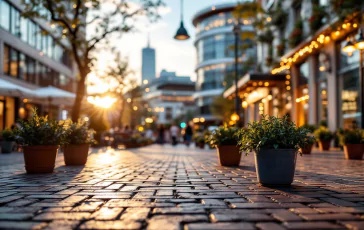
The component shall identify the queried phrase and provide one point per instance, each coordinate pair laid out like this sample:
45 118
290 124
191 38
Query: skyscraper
148 64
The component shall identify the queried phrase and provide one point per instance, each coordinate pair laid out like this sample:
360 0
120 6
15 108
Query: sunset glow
103 102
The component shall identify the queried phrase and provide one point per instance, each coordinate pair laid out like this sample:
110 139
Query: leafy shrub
309 127
223 136
200 139
79 133
352 137
323 134
38 130
7 135
272 133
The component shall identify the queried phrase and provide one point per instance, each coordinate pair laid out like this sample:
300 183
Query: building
215 54
148 64
30 60
316 81
170 97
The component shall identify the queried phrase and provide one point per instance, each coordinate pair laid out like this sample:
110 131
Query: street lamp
182 33
237 31
349 48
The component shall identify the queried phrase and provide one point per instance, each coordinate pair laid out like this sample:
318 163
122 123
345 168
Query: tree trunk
80 93
121 112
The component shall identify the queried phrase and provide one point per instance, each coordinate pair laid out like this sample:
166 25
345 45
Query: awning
10 89
253 81
53 92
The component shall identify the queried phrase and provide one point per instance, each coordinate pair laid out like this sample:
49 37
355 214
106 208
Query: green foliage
344 8
296 36
38 130
311 128
272 133
279 16
200 139
223 136
323 134
355 136
7 135
79 133
222 108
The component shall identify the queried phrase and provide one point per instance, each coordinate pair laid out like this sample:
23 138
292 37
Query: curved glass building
215 53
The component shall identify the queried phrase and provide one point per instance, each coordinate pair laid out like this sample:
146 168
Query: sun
102 102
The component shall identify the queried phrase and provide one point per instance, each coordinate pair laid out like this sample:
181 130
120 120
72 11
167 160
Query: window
5 15
22 67
30 70
15 22
14 64
24 29
6 59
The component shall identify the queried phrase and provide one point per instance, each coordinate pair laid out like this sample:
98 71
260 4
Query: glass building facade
215 52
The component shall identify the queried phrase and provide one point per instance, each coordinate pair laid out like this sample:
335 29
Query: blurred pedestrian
188 134
174 133
161 134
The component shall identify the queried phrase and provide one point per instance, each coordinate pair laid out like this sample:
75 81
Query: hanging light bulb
349 48
359 44
182 33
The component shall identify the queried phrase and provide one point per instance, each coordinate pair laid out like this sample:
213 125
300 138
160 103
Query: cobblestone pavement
159 188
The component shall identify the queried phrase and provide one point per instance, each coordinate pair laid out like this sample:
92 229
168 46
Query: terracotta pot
324 145
40 159
201 145
76 154
353 151
228 155
307 149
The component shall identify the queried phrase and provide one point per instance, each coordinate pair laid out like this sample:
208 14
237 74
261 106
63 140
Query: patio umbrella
52 93
10 89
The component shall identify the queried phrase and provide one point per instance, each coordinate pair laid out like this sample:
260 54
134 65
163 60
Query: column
295 74
1 56
332 88
312 89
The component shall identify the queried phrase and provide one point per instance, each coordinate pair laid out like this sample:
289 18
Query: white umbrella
10 89
53 92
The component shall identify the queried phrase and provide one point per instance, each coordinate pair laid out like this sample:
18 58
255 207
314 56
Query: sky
172 55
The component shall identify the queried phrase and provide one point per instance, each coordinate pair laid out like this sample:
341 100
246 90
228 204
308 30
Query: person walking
174 133
188 134
161 134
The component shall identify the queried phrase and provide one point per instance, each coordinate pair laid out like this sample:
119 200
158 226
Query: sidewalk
161 187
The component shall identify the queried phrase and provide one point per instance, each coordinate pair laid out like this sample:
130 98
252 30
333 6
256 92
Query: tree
222 108
121 74
101 18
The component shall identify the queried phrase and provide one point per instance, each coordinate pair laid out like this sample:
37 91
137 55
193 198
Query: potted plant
78 143
353 143
324 137
200 140
40 139
308 148
225 141
7 142
276 142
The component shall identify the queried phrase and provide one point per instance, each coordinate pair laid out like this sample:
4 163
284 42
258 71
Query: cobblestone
161 187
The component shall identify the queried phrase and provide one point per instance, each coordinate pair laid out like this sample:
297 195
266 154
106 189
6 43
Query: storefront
261 94
325 79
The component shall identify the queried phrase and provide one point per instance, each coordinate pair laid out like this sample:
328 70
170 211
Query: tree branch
55 19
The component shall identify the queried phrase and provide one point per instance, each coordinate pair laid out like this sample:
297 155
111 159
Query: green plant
323 134
272 133
79 133
296 35
223 136
38 130
311 128
7 135
352 137
316 19
200 139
